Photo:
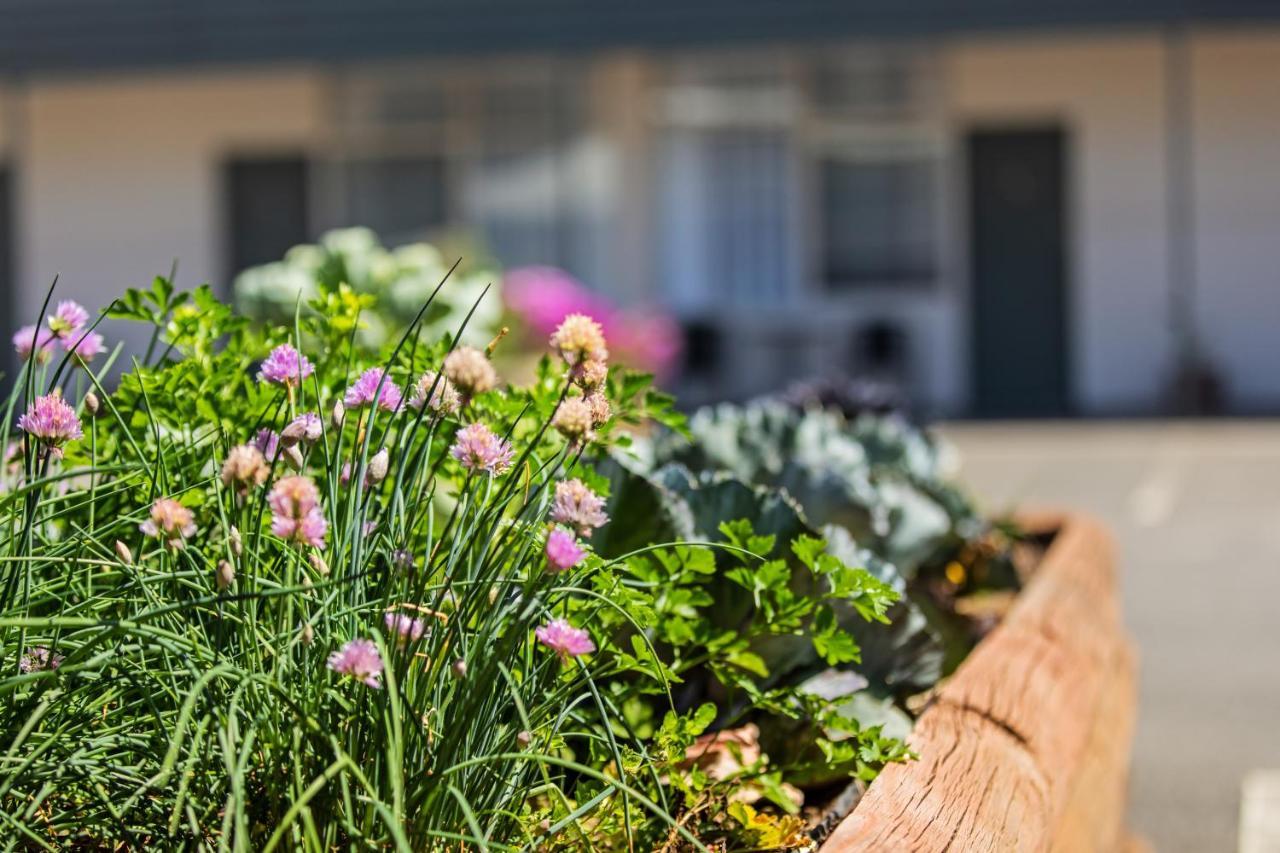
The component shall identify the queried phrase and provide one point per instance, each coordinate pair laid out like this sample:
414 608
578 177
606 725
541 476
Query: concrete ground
1195 507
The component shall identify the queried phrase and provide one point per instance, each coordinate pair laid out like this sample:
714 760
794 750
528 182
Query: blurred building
1036 207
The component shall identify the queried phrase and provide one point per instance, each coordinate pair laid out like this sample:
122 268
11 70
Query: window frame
919 131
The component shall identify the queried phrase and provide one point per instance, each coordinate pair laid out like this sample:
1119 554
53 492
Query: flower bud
591 375
308 634
294 432
601 411
574 420
123 552
339 415
459 668
470 371
305 428
293 453
376 471
225 575
91 404
234 541
317 562
524 739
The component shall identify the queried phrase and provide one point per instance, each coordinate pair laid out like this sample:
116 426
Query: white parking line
1152 501
1260 812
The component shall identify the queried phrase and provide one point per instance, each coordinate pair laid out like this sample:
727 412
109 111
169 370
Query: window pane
877 221
748 207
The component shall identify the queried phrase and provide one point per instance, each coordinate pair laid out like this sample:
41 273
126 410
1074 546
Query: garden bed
293 587
1027 746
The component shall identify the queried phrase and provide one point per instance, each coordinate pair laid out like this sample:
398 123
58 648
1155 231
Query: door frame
964 243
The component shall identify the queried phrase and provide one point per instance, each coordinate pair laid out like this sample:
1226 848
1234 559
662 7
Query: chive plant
291 608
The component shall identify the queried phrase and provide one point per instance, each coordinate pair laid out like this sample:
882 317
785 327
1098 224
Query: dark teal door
266 208
1018 271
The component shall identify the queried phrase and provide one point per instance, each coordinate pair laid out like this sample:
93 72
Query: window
875 145
727 183
489 152
877 221
784 169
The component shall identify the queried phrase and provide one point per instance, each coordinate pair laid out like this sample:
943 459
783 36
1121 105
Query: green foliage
349 269
178 691
876 490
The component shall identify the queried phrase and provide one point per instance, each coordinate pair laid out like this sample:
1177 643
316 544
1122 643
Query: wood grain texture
1027 747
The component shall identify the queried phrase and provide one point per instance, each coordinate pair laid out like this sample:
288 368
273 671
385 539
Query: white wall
119 177
1109 92
1236 96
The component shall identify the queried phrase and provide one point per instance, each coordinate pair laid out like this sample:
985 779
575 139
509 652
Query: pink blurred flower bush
542 297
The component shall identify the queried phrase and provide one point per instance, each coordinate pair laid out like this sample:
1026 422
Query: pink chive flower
479 449
295 511
579 338
68 319
34 338
171 522
359 659
407 629
564 639
563 550
38 659
52 422
443 396
363 390
285 366
84 347
578 507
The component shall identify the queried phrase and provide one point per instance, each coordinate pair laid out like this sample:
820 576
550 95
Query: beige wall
119 177
1108 91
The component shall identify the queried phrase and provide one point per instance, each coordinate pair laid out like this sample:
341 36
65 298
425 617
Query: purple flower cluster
359 659
34 339
563 551
170 522
52 422
365 389
285 366
39 659
296 515
578 507
564 639
406 629
479 449
66 327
